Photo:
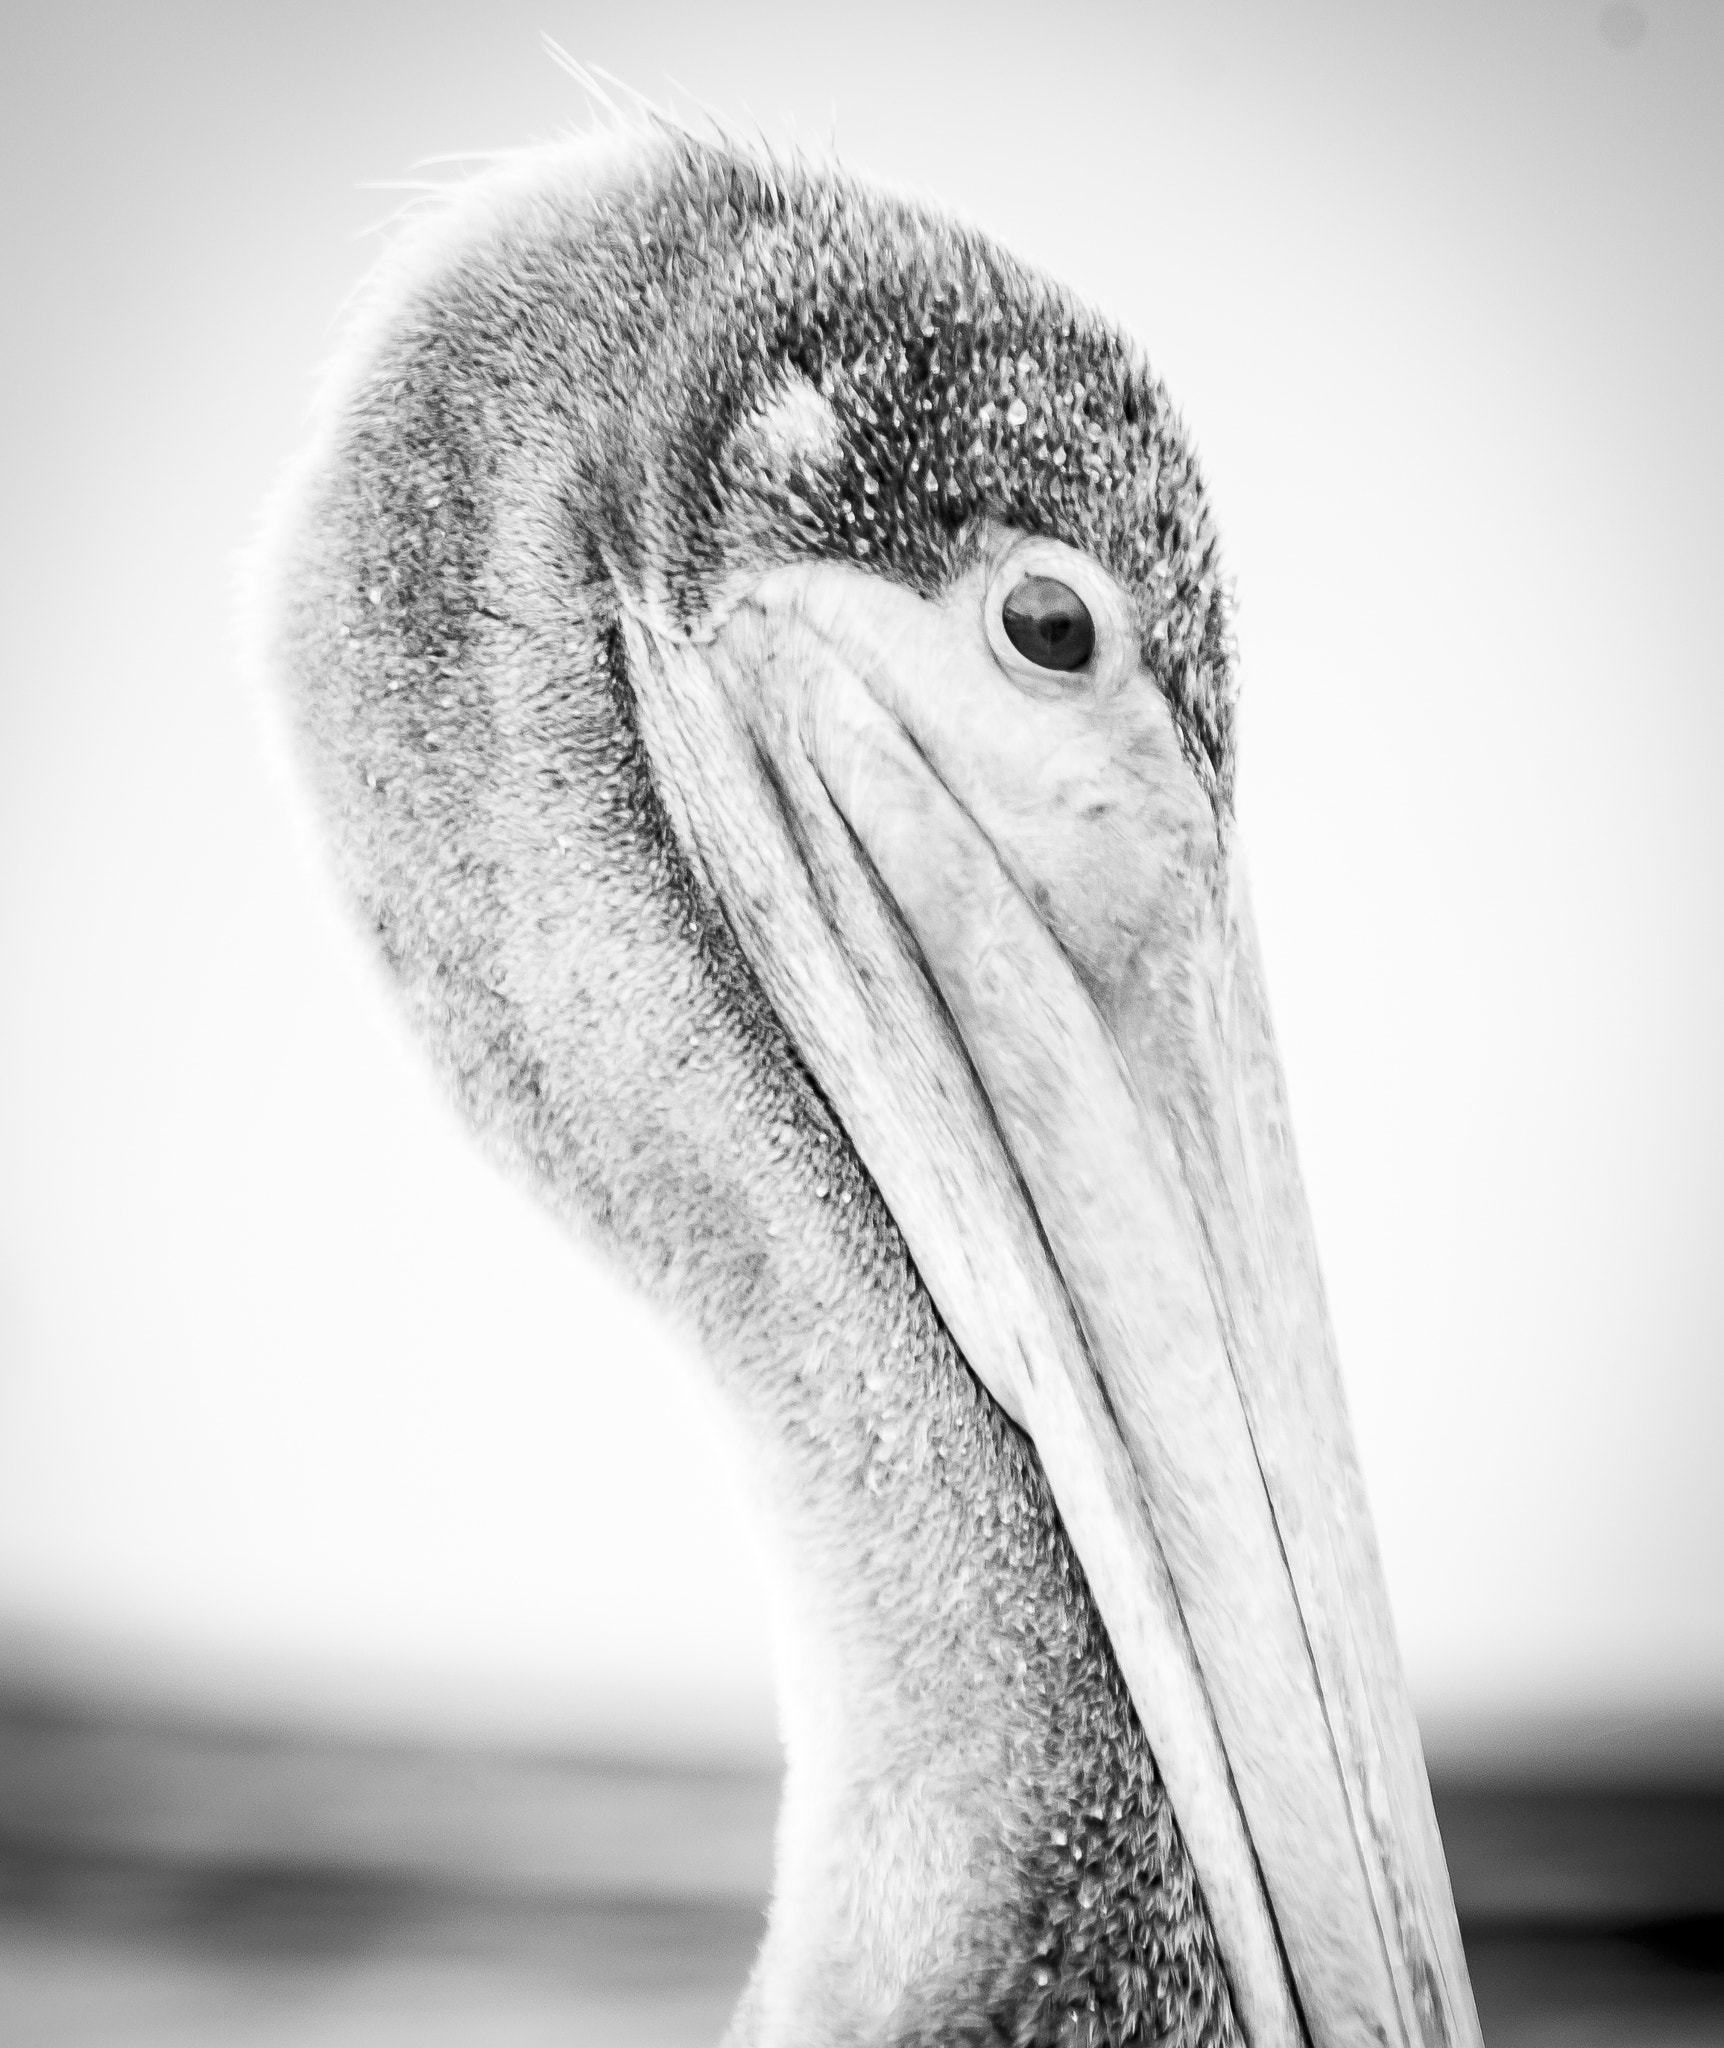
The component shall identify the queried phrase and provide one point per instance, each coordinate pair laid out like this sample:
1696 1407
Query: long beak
1069 1095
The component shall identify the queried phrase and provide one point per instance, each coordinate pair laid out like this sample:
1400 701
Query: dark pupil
1049 624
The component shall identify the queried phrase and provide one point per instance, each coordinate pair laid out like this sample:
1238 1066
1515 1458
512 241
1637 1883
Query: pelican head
762 660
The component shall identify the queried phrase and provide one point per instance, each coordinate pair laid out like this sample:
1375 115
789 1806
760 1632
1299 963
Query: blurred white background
301 1409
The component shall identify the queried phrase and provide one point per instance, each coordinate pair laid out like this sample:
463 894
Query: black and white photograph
862 1071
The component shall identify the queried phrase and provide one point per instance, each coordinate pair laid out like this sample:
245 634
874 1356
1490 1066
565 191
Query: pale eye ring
1048 623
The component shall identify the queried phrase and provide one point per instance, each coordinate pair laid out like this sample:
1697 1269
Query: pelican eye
1048 623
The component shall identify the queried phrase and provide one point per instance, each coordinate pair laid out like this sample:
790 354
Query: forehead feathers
769 362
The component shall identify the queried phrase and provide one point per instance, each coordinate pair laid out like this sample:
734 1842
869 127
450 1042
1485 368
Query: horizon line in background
57 1673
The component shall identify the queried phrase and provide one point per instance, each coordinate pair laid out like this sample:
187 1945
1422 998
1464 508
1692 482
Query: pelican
762 662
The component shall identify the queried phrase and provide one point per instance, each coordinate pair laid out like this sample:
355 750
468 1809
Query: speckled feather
545 415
